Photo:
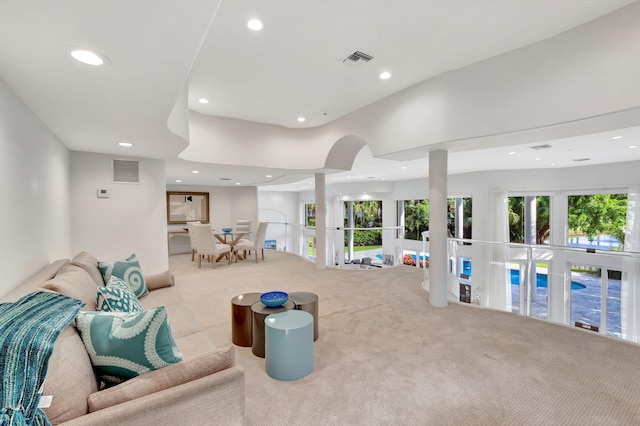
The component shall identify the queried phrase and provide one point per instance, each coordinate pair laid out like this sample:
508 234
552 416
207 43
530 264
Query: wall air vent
125 171
356 59
577 160
539 147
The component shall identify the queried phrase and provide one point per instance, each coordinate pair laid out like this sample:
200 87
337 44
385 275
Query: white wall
34 188
132 220
279 207
226 205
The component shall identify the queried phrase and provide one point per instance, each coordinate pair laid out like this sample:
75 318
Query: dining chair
192 237
243 226
257 244
206 245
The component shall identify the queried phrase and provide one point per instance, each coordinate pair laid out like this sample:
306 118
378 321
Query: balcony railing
589 288
595 289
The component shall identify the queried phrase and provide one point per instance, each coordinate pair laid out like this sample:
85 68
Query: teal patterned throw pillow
129 271
123 345
117 297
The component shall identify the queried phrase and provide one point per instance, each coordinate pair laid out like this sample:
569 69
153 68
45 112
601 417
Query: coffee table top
289 320
246 299
261 308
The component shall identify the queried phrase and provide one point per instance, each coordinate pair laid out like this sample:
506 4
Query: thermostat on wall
103 193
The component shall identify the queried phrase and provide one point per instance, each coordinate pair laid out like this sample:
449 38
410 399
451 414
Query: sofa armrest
217 398
159 280
164 378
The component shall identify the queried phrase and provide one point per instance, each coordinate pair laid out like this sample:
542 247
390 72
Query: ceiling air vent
356 59
581 159
125 171
539 147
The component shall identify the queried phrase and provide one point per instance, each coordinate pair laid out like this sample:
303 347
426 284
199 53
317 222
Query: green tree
310 215
367 214
416 218
598 214
516 219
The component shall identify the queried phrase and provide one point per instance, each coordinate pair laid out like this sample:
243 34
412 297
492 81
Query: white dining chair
256 244
206 245
192 237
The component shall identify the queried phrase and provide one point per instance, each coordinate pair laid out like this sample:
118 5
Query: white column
351 231
630 295
438 259
321 222
530 237
559 303
497 291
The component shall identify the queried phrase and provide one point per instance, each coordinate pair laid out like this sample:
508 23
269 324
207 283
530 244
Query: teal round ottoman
289 345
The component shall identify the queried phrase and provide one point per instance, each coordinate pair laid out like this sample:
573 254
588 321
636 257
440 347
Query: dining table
230 238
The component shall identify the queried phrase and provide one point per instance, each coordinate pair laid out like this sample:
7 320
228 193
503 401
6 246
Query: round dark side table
259 312
241 326
308 302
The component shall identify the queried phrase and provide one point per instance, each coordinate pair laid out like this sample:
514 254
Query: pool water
541 280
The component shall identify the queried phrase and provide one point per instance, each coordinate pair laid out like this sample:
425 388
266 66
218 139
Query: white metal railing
347 254
546 282
531 280
299 239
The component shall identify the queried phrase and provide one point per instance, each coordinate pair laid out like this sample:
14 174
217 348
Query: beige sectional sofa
206 387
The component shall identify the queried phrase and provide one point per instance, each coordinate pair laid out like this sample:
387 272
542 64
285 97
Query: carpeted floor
385 356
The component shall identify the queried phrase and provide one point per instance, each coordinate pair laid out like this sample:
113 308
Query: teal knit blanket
28 331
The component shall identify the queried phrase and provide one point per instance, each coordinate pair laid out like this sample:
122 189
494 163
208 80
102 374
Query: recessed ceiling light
178 181
537 159
237 183
633 146
511 153
385 75
617 137
269 176
195 171
87 57
203 101
552 164
301 119
254 24
125 144
403 167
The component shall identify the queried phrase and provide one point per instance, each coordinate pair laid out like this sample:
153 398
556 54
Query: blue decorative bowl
227 230
274 299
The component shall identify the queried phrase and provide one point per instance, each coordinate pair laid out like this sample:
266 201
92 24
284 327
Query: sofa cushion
183 321
183 372
129 271
70 378
90 264
73 281
195 345
123 345
159 280
116 296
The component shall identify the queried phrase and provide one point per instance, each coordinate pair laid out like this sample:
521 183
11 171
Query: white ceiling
291 68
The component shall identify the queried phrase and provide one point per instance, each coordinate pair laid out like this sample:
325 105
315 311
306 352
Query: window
414 216
310 215
518 219
362 215
597 221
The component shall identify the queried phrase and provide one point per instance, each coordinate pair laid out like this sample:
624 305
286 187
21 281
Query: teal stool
289 345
